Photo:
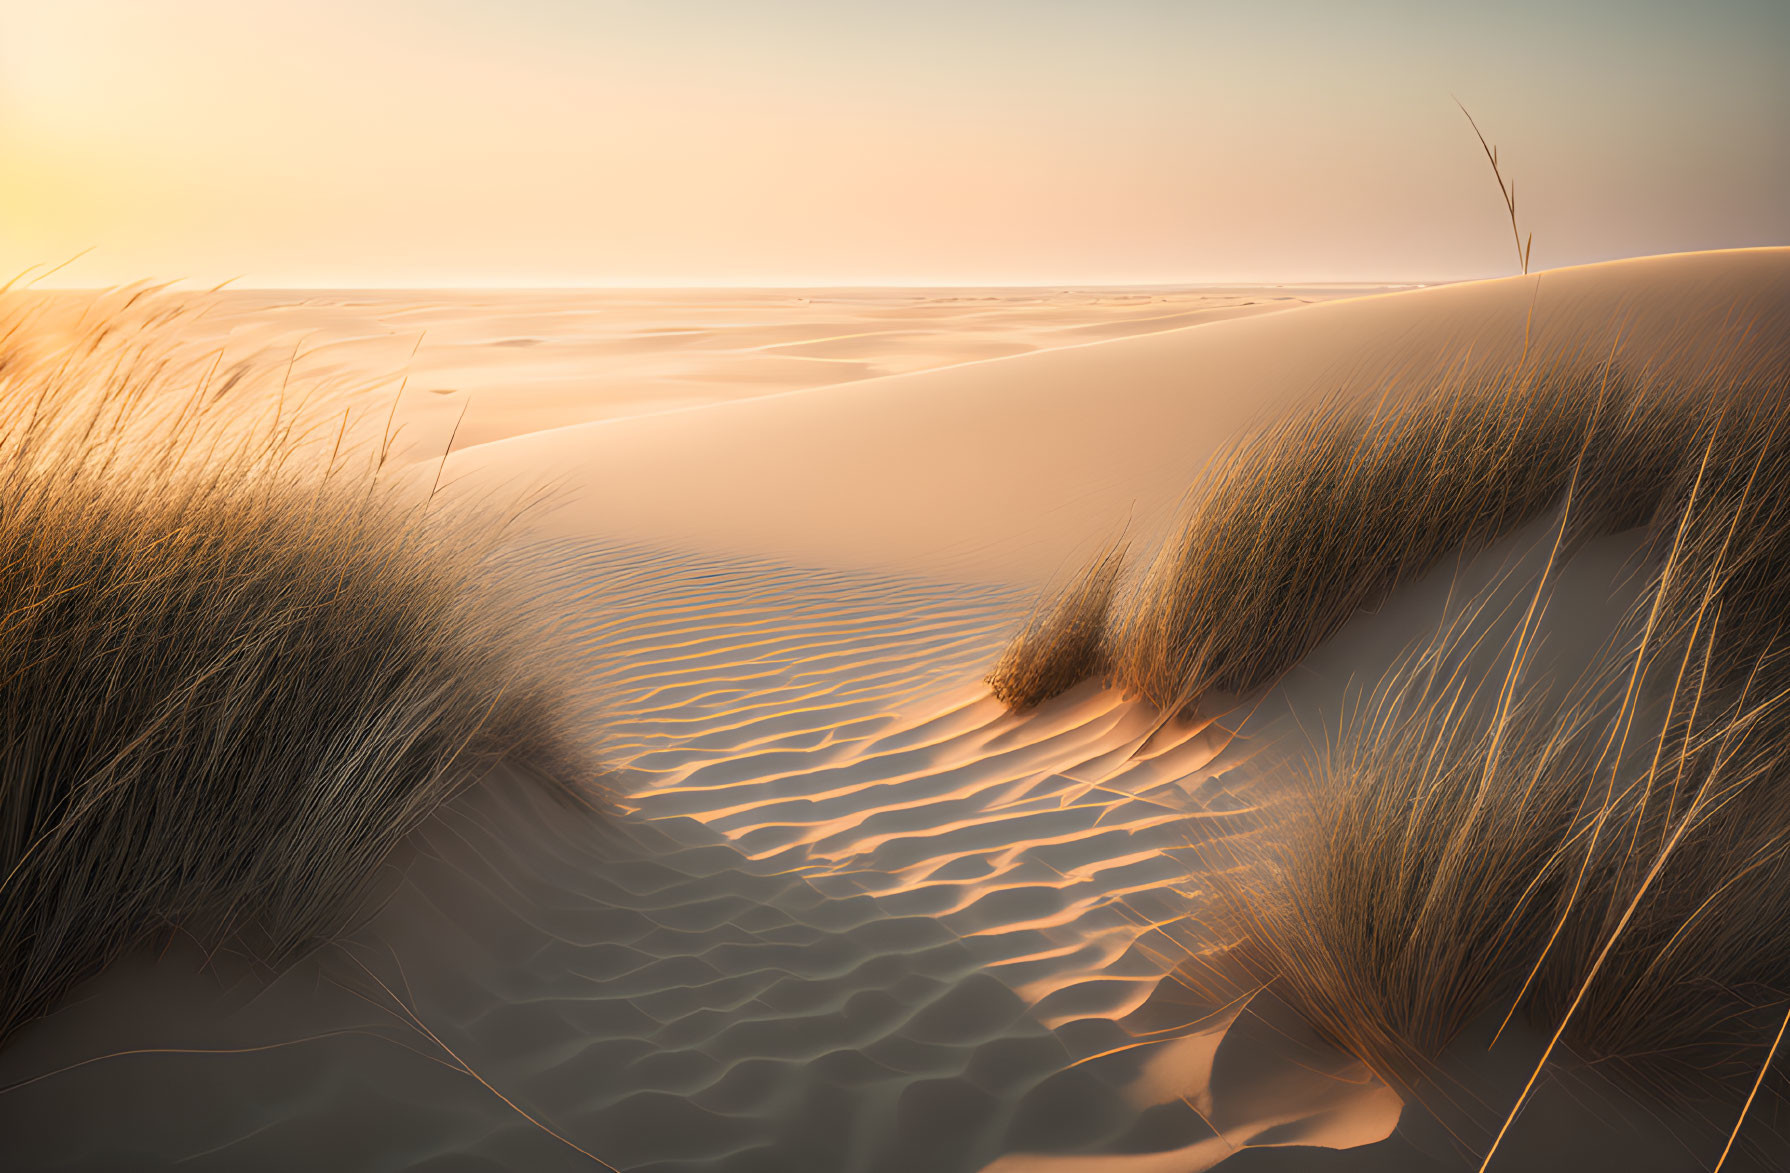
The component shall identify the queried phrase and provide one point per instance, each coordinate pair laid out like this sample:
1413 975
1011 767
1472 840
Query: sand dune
855 915
1000 471
475 367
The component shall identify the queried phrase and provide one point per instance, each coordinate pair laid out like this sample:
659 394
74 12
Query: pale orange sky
670 142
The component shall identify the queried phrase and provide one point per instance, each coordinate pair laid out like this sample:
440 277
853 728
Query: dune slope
1002 470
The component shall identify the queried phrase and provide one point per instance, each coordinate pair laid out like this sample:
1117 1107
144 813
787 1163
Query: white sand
858 917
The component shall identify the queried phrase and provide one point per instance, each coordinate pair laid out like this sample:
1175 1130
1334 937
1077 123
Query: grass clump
1608 865
1325 512
237 664
1689 897
1614 869
1414 882
1063 641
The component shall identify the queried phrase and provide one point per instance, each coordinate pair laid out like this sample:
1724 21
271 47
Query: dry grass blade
1508 191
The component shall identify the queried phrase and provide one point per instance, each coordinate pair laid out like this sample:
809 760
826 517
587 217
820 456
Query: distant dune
999 471
477 366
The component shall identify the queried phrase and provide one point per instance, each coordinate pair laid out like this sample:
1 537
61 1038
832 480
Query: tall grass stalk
1507 190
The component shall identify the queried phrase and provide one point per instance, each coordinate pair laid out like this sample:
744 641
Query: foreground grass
1613 870
1609 866
237 664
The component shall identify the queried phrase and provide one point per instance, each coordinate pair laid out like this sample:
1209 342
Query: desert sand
475 367
853 914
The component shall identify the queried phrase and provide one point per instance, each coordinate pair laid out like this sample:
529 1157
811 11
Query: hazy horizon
413 144
56 282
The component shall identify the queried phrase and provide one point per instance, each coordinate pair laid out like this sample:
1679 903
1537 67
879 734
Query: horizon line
193 285
23 281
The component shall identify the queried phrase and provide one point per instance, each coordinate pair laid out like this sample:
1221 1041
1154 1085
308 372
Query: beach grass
1606 862
1610 867
240 658
1323 512
1064 640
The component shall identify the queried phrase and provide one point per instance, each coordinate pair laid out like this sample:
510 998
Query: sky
394 143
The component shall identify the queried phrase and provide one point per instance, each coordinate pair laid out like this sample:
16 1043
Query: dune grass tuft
1413 883
1063 641
1324 512
1612 869
1690 892
239 662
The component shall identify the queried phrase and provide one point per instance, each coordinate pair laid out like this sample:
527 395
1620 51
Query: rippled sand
859 918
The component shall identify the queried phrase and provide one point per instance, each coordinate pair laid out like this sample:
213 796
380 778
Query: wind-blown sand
857 916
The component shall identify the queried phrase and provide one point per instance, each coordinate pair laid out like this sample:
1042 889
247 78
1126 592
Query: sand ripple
858 917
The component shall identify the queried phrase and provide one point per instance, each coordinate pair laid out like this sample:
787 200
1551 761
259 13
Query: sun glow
402 143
